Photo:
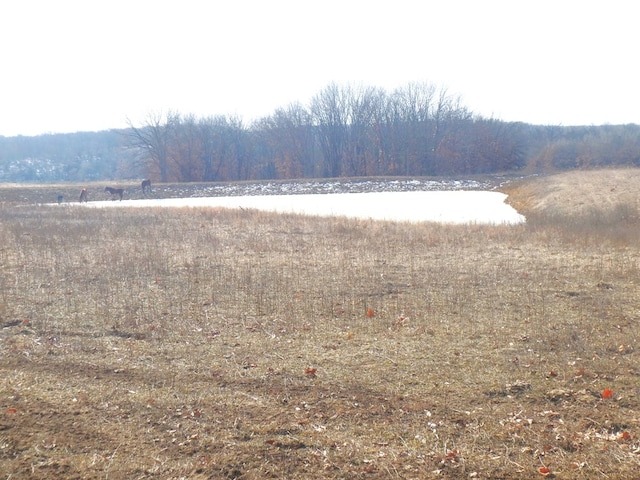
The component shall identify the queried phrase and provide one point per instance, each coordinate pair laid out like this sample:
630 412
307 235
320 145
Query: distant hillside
73 157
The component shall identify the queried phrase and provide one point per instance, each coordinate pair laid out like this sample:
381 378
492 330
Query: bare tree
363 110
412 115
187 149
287 142
329 110
224 146
154 140
212 147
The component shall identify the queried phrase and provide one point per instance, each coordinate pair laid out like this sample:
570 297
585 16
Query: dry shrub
211 343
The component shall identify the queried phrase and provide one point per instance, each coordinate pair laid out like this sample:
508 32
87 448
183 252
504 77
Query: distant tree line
563 148
344 131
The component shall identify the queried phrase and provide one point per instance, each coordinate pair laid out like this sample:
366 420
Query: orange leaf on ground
607 393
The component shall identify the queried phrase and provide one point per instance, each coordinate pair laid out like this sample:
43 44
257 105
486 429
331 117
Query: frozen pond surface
459 206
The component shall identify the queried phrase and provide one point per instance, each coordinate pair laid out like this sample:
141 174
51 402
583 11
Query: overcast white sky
88 65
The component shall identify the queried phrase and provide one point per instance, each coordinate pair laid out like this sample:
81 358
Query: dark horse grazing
83 195
146 185
114 192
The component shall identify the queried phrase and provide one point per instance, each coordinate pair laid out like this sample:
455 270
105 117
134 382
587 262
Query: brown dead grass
576 194
205 343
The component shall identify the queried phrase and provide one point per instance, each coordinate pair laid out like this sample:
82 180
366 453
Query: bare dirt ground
220 344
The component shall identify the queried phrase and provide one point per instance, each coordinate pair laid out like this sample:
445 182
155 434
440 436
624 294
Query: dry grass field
224 344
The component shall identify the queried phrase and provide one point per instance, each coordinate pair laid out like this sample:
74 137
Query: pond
454 207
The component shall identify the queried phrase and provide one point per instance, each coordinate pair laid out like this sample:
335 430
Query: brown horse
146 185
115 191
83 195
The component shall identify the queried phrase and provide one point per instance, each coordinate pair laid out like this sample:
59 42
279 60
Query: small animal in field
114 192
60 198
146 186
83 195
